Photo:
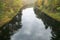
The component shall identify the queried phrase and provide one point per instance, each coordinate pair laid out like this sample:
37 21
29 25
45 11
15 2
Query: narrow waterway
32 27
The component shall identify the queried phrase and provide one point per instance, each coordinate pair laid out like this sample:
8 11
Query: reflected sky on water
32 28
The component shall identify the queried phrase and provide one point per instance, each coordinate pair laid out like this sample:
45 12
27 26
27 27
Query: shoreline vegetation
9 9
50 8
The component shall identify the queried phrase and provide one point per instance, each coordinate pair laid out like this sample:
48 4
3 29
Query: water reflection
32 28
9 28
49 22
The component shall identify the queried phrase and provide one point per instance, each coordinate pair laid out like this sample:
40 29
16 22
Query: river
31 24
32 27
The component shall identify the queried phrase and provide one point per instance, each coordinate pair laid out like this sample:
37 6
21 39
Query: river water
31 24
32 27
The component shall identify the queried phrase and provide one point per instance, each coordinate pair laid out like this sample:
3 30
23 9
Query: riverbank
46 18
9 9
54 15
50 8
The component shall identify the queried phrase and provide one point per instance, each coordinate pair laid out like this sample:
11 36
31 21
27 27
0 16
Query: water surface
32 27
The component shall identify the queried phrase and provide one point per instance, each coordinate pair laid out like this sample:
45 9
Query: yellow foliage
8 9
46 2
50 7
39 2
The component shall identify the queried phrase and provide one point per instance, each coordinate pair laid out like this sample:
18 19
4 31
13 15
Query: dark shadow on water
9 28
49 22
